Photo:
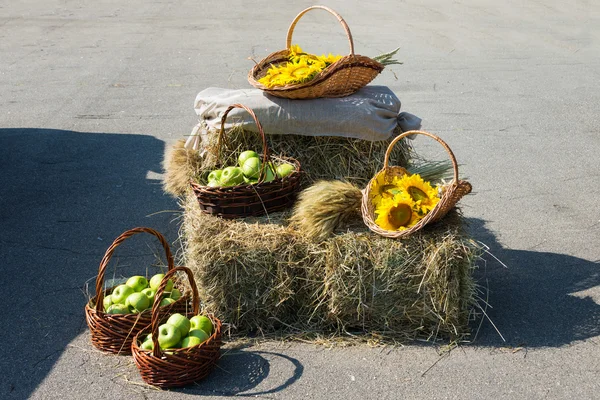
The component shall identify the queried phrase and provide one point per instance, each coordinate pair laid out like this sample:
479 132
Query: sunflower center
388 190
417 194
399 215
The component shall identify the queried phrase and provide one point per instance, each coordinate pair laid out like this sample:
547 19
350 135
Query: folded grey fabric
372 113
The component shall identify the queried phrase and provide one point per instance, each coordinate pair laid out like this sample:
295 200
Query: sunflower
300 70
329 59
423 194
396 214
384 187
295 50
273 76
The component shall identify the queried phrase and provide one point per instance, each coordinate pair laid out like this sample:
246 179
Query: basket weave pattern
340 79
114 333
249 200
452 192
178 367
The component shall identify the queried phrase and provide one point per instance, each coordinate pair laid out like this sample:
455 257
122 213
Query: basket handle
266 152
288 42
156 308
109 253
431 135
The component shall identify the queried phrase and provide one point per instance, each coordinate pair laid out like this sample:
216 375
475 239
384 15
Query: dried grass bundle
180 165
324 206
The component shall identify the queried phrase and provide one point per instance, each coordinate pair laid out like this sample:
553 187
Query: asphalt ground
91 94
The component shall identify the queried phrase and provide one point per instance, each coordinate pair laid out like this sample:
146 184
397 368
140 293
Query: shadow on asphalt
65 196
239 371
537 300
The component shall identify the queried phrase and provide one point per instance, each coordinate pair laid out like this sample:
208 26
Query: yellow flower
302 67
396 214
295 50
329 59
298 70
384 187
422 193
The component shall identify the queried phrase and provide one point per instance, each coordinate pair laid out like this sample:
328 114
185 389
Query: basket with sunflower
293 74
396 203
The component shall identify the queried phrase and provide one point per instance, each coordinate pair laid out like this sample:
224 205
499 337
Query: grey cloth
372 113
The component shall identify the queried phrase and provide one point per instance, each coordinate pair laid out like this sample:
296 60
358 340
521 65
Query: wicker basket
249 200
452 192
339 79
177 367
114 333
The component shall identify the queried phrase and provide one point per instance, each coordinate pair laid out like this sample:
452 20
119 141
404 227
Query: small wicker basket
114 333
176 367
249 200
339 79
452 192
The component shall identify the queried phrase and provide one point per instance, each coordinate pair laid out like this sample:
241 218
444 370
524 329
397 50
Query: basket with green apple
116 314
177 349
257 185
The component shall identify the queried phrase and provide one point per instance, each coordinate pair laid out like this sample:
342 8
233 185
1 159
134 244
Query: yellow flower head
329 59
396 214
302 67
299 70
295 50
422 193
384 187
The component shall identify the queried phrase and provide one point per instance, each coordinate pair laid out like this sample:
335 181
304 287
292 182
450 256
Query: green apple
250 181
284 170
118 309
120 294
175 294
138 302
246 155
213 184
107 302
166 301
147 345
150 293
200 334
168 336
137 283
202 322
232 176
251 168
181 322
269 172
155 282
215 176
190 341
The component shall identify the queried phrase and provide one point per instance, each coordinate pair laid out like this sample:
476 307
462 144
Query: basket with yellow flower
397 203
294 74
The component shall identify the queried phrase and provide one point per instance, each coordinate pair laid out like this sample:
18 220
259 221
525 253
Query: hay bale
321 157
261 275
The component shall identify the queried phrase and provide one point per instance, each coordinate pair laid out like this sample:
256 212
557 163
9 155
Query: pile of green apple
137 295
180 332
248 171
